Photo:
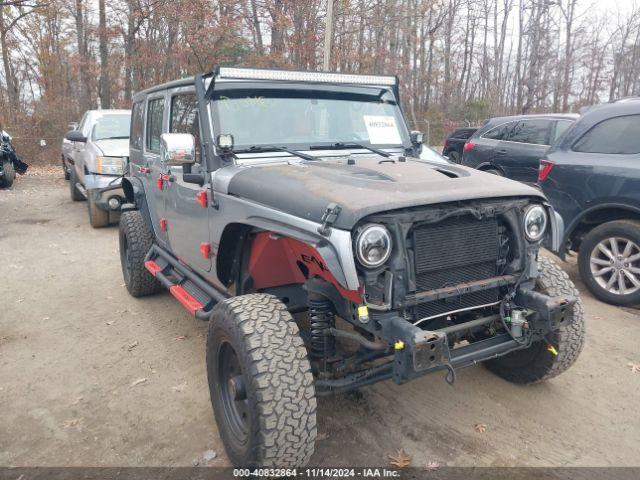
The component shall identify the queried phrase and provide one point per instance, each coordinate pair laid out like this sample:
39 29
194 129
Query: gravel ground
92 377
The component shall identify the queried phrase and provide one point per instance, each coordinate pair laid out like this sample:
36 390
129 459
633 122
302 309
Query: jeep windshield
309 119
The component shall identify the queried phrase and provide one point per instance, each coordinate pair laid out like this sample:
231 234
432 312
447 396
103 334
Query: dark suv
454 144
513 146
254 195
592 178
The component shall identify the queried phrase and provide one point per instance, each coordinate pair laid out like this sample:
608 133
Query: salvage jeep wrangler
291 210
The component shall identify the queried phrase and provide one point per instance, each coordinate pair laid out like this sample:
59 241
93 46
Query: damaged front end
459 286
8 156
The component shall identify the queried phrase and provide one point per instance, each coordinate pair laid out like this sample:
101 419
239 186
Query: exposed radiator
455 251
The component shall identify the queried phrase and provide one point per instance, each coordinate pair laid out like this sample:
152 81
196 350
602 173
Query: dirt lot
91 377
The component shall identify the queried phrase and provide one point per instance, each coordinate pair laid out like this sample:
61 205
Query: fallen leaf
635 367
139 381
209 455
46 318
480 427
400 459
431 466
71 423
132 345
181 337
77 400
109 323
179 388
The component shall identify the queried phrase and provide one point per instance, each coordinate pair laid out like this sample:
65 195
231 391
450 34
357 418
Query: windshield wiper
340 145
272 148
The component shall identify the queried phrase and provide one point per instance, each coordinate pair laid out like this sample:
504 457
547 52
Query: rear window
618 135
561 127
137 126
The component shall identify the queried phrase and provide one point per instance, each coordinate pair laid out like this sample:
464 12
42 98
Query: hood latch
329 216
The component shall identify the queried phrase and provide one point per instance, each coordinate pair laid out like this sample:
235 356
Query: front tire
537 363
260 383
609 262
8 175
136 239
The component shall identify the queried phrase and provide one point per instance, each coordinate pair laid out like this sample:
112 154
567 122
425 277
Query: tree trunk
105 84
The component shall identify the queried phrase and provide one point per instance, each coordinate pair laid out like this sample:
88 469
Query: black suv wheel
8 175
260 383
550 357
136 240
609 261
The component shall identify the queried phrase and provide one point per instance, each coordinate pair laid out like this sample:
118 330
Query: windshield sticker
382 129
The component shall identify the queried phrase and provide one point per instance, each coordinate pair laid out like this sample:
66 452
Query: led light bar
298 76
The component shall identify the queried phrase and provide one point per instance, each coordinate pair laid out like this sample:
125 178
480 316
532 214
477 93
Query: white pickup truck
95 156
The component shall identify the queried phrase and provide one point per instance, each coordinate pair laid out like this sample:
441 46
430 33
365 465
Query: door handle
502 151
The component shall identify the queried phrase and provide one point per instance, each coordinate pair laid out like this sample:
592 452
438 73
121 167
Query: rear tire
254 348
591 260
136 240
537 363
494 171
98 217
8 176
454 156
65 169
76 195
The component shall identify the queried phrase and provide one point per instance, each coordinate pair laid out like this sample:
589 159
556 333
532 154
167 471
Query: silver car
96 158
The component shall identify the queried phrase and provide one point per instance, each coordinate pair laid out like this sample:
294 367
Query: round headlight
535 222
373 245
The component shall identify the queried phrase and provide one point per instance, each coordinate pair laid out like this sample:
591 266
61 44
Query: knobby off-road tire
136 240
8 176
624 232
537 363
272 423
76 195
98 217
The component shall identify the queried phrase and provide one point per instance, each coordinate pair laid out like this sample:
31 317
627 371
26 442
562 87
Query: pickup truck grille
455 251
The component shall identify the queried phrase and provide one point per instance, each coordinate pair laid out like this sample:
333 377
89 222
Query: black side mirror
417 137
75 136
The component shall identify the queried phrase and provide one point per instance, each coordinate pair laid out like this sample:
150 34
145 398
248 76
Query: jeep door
520 152
186 203
153 180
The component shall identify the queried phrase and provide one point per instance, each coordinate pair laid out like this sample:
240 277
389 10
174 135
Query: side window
184 117
155 110
530 131
137 125
618 135
500 132
561 127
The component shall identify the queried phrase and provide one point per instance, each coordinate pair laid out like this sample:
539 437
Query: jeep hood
367 187
113 147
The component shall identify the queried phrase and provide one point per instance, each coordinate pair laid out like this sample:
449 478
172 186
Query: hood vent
448 173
